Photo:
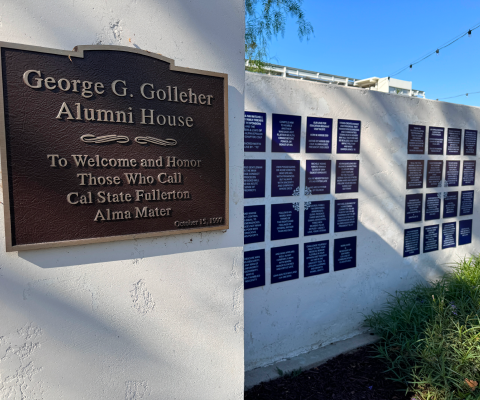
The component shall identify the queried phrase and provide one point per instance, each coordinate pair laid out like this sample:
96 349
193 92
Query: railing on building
287 72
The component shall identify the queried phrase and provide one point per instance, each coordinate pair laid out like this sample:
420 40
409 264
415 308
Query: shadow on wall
293 317
69 325
285 319
94 322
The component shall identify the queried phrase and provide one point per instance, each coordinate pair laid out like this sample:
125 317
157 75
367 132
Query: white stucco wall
158 318
288 318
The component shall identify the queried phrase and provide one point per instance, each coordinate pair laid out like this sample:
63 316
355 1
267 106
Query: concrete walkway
307 360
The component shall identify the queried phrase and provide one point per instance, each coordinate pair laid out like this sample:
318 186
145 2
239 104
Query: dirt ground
352 376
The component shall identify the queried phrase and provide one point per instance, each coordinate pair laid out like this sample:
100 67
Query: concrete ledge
307 360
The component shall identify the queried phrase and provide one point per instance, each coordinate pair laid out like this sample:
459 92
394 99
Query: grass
292 374
430 335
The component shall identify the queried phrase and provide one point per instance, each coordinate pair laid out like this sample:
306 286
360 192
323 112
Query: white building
386 85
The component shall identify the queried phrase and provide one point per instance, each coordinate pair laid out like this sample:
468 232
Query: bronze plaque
109 143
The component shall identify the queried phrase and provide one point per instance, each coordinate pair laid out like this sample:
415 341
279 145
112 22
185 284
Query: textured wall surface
157 318
288 318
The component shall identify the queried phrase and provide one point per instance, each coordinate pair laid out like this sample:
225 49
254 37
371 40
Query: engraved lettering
146 212
98 162
147 116
106 114
87 179
26 79
109 215
175 178
64 110
86 92
123 89
142 90
69 198
50 83
64 84
191 96
98 87
139 179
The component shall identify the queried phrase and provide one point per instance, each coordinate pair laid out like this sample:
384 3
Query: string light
458 95
469 33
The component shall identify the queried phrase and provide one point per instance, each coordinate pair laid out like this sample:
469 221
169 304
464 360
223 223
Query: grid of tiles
440 180
290 198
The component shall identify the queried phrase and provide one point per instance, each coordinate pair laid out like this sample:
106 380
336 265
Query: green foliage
430 335
265 19
296 372
292 374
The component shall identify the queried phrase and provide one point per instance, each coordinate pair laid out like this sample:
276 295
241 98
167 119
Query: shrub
430 335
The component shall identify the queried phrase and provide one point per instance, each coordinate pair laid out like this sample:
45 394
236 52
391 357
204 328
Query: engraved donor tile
449 232
432 206
253 179
468 174
450 205
317 218
415 170
454 141
284 263
466 202
430 238
346 215
434 173
413 207
286 133
315 260
317 177
344 253
411 242
254 269
346 176
319 135
465 232
285 221
452 173
436 137
416 139
285 178
470 143
254 224
348 136
255 131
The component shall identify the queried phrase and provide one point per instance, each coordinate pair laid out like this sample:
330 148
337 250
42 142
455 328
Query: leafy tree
265 19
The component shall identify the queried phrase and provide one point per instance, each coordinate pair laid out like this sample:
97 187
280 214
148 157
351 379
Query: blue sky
361 39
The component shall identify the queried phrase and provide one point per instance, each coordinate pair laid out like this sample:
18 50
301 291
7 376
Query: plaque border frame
78 52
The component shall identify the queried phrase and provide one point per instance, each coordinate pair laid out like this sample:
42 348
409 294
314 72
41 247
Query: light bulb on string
438 52
469 33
